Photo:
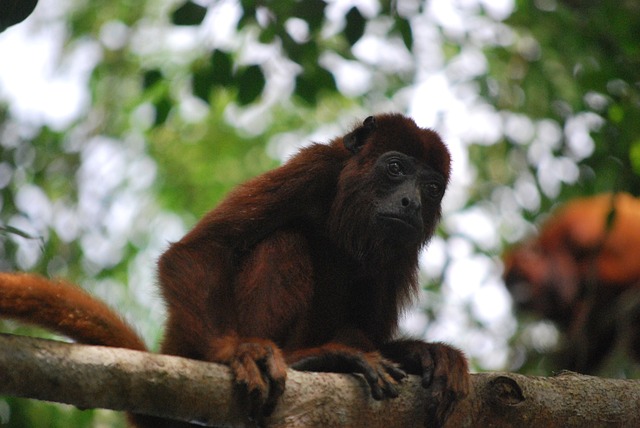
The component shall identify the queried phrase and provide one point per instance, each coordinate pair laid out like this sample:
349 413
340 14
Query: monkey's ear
354 140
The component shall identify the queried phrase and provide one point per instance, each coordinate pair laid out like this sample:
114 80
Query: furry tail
65 309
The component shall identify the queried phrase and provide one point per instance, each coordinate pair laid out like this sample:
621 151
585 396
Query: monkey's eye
395 168
434 189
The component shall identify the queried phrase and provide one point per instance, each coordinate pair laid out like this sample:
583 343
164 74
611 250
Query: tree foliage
572 69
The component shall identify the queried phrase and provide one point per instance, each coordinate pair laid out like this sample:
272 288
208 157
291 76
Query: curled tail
65 309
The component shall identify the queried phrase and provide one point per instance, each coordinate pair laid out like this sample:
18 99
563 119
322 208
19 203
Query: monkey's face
407 199
387 207
387 200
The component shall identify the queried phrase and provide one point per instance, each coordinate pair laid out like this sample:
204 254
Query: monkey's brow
425 172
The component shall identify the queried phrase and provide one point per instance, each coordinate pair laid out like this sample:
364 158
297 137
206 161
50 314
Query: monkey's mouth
401 223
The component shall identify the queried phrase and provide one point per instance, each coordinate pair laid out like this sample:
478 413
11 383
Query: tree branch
120 379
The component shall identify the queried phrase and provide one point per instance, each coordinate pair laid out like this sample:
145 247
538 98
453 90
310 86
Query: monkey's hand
381 374
259 370
444 371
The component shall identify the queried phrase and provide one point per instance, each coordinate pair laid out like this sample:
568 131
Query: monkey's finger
371 376
387 384
449 382
450 373
252 385
394 371
276 373
390 374
428 368
247 374
344 363
436 405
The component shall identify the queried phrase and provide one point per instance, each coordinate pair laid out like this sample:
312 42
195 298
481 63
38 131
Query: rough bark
119 379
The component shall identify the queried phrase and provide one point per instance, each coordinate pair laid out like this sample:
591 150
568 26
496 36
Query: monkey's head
389 192
543 281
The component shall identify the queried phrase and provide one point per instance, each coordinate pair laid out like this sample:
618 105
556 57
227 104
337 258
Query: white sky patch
491 303
352 77
434 257
498 9
465 273
476 223
38 88
447 16
430 101
34 203
414 323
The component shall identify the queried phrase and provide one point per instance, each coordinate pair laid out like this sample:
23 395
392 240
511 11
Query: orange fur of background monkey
582 271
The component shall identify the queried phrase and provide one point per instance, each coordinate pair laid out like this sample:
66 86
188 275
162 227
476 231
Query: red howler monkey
582 271
307 266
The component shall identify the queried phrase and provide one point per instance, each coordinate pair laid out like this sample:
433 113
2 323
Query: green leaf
202 82
268 35
634 157
222 68
311 11
218 71
163 107
151 77
325 80
189 14
306 54
250 84
309 84
404 28
306 89
355 26
616 113
10 230
248 13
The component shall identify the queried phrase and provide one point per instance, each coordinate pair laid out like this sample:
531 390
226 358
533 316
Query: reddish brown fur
292 266
216 255
579 273
65 309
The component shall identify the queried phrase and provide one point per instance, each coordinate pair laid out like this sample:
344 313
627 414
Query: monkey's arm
443 368
381 374
235 310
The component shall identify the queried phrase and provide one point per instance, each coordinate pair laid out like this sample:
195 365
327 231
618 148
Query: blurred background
123 122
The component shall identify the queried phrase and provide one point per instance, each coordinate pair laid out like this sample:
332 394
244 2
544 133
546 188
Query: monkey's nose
411 203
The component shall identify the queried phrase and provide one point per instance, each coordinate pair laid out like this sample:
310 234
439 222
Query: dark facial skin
404 186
